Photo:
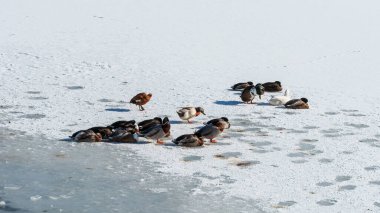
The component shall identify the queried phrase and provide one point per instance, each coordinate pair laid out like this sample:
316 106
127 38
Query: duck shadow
263 104
227 103
176 122
117 110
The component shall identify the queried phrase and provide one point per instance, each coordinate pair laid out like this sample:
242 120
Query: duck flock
157 128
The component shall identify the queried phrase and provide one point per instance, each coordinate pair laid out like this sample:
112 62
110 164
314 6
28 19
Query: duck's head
166 126
199 110
165 121
250 83
277 82
226 121
304 100
149 95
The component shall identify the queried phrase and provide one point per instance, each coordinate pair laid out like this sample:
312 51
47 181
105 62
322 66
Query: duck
210 131
273 86
156 131
86 136
241 86
248 94
280 100
123 136
104 131
141 99
189 140
223 120
297 104
259 90
186 113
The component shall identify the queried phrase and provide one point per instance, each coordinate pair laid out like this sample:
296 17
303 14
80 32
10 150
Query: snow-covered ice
70 65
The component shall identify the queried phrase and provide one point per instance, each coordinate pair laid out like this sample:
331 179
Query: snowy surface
71 65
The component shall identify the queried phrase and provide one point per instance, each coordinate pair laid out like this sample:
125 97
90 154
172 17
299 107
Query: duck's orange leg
160 142
212 141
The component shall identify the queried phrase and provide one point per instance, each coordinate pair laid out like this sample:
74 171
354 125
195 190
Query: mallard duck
223 120
186 113
241 86
124 136
248 94
86 136
141 99
104 131
273 86
189 140
210 131
156 131
297 104
259 90
280 100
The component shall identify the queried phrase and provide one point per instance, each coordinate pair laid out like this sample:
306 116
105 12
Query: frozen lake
41 175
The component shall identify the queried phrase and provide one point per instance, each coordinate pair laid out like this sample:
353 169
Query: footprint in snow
372 168
349 110
34 92
74 87
356 115
347 188
246 163
39 98
332 113
357 126
377 182
105 100
324 184
191 158
342 178
325 160
33 116
299 161
305 146
286 203
327 202
311 127
227 155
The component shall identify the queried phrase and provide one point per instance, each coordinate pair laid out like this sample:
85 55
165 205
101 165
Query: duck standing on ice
241 86
272 86
186 113
141 99
156 131
280 100
297 104
210 131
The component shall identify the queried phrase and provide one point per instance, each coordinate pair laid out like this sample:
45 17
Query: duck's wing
180 139
151 131
213 121
205 131
145 122
138 98
291 102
